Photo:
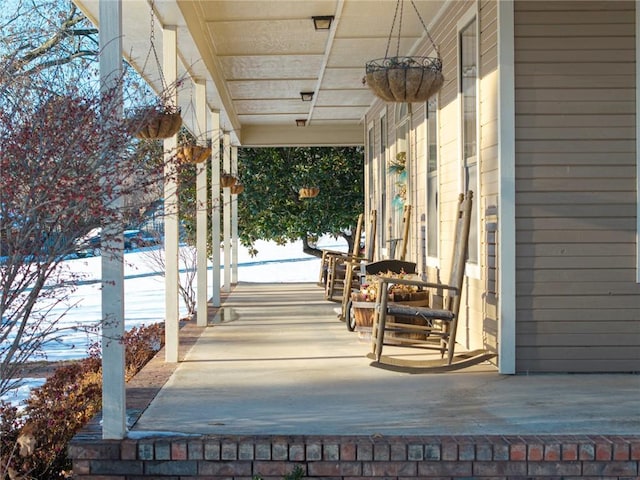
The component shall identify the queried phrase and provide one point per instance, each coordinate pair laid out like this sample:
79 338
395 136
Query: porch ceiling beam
313 135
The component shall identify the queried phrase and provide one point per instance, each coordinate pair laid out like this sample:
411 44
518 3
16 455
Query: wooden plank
600 57
607 291
577 173
572 134
580 121
561 107
573 81
574 5
580 30
577 236
579 339
584 185
584 146
559 302
562 327
594 251
599 262
586 365
573 17
575 158
587 43
586 225
575 272
601 315
587 352
583 210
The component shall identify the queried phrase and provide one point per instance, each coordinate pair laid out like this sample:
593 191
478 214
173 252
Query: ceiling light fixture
322 22
306 96
301 122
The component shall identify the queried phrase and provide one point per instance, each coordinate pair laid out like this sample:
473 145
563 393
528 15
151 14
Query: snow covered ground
144 292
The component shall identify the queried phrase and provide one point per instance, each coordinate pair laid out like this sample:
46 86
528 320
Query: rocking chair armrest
419 283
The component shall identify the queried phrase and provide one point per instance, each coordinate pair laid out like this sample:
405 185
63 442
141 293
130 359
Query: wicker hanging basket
154 123
404 79
227 180
193 153
309 192
237 189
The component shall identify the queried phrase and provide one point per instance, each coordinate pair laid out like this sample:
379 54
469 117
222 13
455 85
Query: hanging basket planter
309 192
237 189
193 153
227 180
157 123
402 78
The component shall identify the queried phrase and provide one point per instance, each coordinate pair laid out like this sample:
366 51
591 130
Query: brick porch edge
352 457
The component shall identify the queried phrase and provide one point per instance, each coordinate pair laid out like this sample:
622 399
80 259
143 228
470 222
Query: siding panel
576 296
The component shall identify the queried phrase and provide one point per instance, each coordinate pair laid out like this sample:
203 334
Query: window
433 216
400 176
468 96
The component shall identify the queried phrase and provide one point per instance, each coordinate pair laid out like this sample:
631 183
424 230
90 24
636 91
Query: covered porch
275 380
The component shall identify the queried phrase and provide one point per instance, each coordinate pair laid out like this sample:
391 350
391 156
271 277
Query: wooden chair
352 276
346 313
438 330
334 264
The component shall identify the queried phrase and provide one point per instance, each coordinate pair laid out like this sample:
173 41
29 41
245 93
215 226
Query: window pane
432 180
468 85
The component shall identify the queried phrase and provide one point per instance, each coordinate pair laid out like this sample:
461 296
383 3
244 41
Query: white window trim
369 168
383 210
472 270
433 262
637 141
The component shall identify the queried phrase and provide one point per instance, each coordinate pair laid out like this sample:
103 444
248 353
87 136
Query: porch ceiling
256 56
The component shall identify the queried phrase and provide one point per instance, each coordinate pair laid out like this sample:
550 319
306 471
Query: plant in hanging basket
309 192
237 189
156 122
193 153
227 180
404 79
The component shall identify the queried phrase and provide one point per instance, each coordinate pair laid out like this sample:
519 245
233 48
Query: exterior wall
577 299
478 320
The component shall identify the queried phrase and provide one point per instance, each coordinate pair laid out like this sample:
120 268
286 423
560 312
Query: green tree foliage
270 207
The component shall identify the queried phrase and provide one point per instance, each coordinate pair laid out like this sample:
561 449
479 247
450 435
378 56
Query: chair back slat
404 241
355 250
460 246
370 236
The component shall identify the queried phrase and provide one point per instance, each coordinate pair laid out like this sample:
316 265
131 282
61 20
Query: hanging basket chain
152 47
435 47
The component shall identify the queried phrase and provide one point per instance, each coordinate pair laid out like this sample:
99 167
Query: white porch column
113 388
226 201
234 220
201 212
506 209
215 207
171 232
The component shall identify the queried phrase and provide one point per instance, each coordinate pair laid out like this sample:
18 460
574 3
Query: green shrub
57 410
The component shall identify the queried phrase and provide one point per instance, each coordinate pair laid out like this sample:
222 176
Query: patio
275 380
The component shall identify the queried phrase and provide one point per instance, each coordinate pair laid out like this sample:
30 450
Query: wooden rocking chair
333 263
438 327
397 261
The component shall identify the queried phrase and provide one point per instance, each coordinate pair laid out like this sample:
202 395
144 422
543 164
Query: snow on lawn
145 296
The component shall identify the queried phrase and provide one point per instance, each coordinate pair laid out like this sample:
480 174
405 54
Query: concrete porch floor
275 360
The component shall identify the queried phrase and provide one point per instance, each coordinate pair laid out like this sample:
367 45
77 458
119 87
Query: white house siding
578 304
478 327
